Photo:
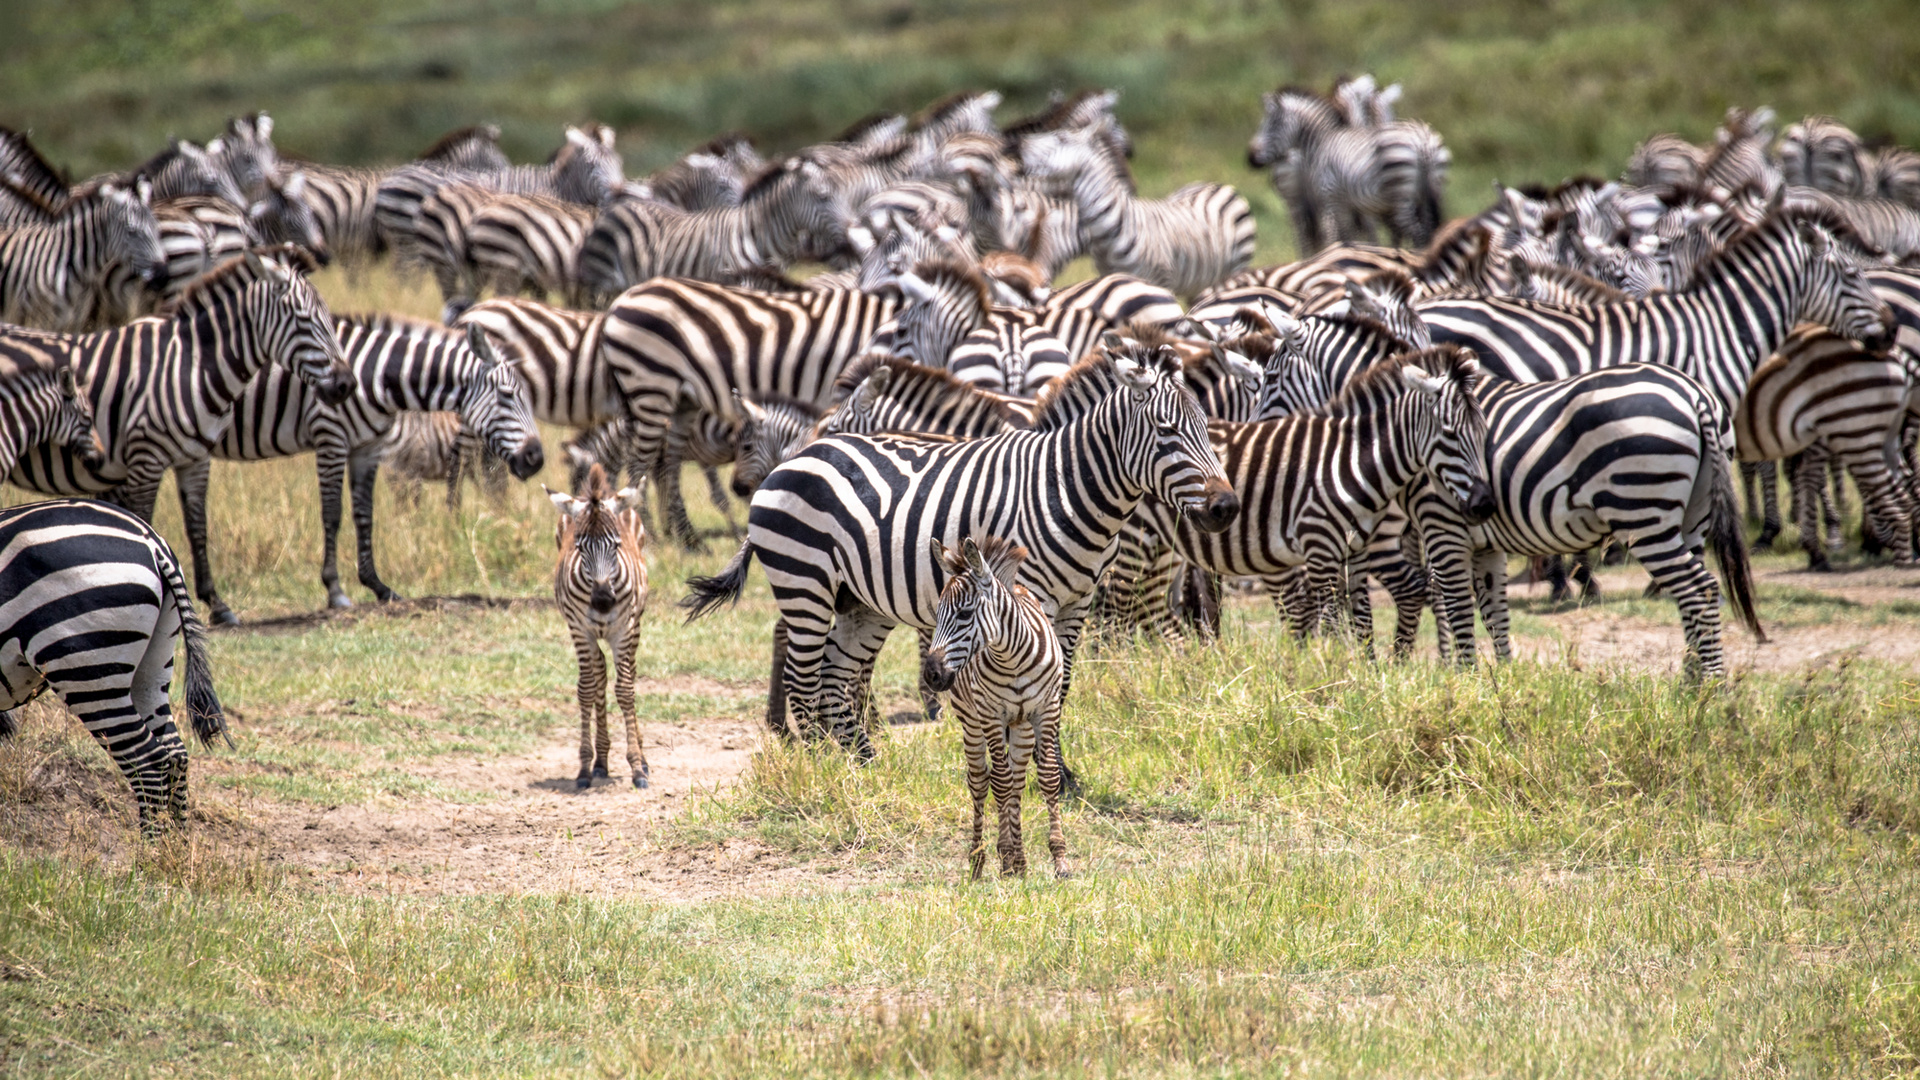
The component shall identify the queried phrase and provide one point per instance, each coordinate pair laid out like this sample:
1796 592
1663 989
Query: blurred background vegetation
1521 89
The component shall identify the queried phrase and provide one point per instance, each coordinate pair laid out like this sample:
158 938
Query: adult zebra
162 388
1189 240
842 528
669 340
51 269
1743 304
93 603
397 364
788 214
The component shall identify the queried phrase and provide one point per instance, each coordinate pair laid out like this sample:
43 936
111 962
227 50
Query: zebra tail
708 593
1726 535
202 703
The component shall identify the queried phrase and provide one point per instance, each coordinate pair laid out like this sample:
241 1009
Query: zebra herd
929 429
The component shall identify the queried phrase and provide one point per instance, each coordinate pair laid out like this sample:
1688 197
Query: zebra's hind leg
1683 575
777 684
846 664
362 465
1809 483
717 494
1046 748
191 481
1836 509
929 697
1768 472
1490 589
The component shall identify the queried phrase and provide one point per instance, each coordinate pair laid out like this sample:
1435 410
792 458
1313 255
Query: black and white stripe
91 605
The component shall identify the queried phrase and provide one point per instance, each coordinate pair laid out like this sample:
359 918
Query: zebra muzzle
602 599
1480 504
529 460
1218 507
934 673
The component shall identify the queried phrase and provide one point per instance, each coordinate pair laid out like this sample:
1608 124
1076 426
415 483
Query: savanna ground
1287 861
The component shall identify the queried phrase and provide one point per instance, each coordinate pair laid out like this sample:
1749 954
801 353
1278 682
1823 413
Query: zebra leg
1883 513
1750 489
1067 625
1490 588
1047 769
1407 584
1836 509
149 690
929 697
1682 573
1768 473
1009 780
191 480
362 465
1360 600
777 684
973 737
1587 574
717 494
1200 604
591 692
673 505
1555 569
330 458
856 638
1809 482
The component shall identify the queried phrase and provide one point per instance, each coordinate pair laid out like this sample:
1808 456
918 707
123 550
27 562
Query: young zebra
841 527
600 586
93 603
162 388
994 647
41 402
1185 242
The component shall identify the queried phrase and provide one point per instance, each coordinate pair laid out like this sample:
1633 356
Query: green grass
1521 90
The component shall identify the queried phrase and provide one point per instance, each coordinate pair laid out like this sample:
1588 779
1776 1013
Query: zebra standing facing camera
994 645
600 586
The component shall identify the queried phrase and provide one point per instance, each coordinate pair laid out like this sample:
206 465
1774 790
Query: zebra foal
600 586
94 603
995 649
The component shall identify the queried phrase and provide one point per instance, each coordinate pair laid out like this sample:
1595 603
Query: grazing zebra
1822 397
1185 242
162 388
994 647
1322 481
600 586
343 198
788 214
1739 311
41 402
50 270
842 526
1633 451
526 243
397 364
669 340
1336 179
92 604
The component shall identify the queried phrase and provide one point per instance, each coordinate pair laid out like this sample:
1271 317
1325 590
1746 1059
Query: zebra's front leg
1360 599
624 677
191 481
973 739
929 697
1009 775
1490 587
591 692
1068 625
1884 513
362 465
717 494
330 458
673 504
1767 475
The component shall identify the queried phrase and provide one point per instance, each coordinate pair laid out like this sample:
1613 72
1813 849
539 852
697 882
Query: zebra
1823 153
1823 398
1185 242
842 526
343 198
1323 481
995 648
422 446
1739 312
950 322
162 388
41 402
669 340
396 364
50 270
245 150
1666 162
93 604
786 215
1036 226
527 243
600 587
1888 227
1738 160
1636 451
1334 178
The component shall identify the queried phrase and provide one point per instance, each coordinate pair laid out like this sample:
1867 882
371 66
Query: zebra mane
1066 397
861 128
445 146
235 270
19 152
1002 556
1105 145
154 165
723 145
944 109
945 274
904 372
1584 286
394 322
1381 381
33 198
1058 113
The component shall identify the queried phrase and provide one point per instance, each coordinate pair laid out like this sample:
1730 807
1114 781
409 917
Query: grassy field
1521 89
1287 861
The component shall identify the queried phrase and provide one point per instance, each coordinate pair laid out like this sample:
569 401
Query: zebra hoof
640 778
339 601
600 772
582 782
225 617
1063 875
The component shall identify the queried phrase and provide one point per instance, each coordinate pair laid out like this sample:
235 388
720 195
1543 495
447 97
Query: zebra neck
1103 196
429 378
217 337
1755 320
1007 639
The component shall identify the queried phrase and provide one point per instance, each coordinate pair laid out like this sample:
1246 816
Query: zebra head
185 169
1167 445
800 209
1289 115
586 168
292 326
1059 156
132 236
766 436
973 605
945 301
1450 431
246 152
284 217
595 526
495 405
1838 295
72 426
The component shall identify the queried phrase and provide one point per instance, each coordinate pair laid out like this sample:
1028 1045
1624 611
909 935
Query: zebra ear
938 551
482 346
748 408
562 501
1420 381
296 186
1112 342
1239 367
215 146
263 127
255 264
69 386
976 563
916 289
